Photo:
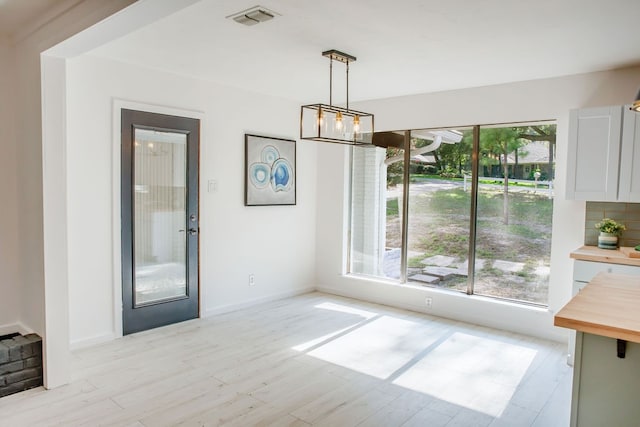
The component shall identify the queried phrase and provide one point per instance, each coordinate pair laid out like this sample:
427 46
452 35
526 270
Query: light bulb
338 120
150 144
356 123
320 117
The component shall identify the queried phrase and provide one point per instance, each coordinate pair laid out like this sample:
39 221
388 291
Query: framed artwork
270 171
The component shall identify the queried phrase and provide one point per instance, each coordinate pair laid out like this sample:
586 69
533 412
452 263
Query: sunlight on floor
378 348
478 373
466 369
346 309
339 308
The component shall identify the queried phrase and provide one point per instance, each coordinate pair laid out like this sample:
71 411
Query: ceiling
403 46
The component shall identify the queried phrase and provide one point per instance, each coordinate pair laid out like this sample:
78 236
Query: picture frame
269 171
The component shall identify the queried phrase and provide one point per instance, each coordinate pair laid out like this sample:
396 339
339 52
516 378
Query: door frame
118 105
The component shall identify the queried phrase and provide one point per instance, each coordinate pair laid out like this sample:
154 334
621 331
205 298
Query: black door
159 219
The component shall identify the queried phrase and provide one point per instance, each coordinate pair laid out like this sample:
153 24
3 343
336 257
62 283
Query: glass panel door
159 173
160 216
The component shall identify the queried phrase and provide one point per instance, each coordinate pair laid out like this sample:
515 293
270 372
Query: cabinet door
630 157
605 388
584 271
594 153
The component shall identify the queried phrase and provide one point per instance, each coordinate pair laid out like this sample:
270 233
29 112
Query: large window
467 209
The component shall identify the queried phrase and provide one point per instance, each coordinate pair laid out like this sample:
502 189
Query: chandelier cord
347 85
330 82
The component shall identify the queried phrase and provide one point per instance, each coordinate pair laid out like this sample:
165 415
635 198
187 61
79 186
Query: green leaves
608 225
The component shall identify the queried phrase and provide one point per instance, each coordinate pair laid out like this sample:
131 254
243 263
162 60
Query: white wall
516 102
10 296
277 244
21 272
28 298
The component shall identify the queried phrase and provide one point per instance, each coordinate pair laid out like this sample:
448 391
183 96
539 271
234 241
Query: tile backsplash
625 213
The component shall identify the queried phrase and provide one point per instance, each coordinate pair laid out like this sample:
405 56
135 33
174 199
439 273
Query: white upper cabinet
604 155
630 157
594 153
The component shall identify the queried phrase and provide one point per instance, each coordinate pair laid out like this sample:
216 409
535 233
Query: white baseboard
11 328
92 341
100 339
245 304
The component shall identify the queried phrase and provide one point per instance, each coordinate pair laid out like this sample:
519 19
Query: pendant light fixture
330 123
636 104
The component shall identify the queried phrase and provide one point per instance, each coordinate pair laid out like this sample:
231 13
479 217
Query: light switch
212 186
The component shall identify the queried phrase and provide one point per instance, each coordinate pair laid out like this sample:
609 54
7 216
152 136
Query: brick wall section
20 363
625 213
367 236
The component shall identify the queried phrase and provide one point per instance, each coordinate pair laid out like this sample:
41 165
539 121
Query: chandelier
330 123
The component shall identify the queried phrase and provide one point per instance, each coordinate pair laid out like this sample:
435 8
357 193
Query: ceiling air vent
253 16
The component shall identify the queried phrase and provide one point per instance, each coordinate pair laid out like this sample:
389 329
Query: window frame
473 213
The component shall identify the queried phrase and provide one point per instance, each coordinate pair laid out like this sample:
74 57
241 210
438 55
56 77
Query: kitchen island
606 377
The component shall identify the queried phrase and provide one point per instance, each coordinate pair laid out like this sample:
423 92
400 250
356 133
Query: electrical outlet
252 279
428 301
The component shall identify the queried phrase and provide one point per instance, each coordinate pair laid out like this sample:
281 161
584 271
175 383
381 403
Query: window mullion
405 206
475 161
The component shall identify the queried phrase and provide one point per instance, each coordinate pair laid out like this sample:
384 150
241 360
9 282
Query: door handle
193 231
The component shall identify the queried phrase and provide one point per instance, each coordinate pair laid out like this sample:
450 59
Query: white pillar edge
56 353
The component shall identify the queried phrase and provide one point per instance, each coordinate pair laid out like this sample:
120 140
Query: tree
394 170
456 156
499 142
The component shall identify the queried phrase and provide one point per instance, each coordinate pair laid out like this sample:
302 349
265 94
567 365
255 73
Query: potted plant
610 230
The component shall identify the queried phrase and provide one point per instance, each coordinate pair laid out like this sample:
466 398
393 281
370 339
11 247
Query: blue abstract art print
270 171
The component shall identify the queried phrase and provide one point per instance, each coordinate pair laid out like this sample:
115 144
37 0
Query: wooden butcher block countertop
618 256
609 306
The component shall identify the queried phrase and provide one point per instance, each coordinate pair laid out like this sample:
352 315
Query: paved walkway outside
442 267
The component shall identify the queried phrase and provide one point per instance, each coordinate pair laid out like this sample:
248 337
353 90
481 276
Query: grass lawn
439 225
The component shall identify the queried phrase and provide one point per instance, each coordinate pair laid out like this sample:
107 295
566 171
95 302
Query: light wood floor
310 360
